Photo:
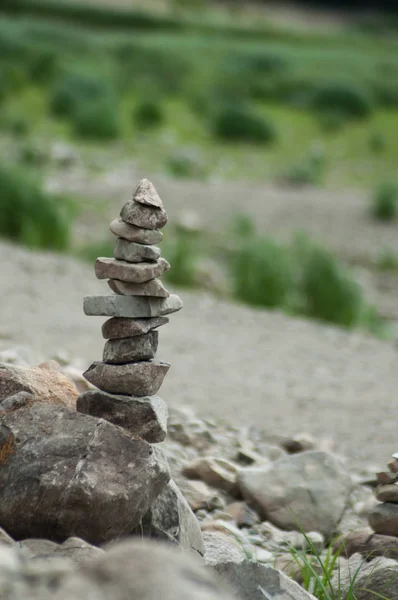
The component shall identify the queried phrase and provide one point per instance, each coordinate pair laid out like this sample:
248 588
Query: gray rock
367 543
384 519
387 493
139 347
135 379
111 268
221 548
17 401
5 538
41 496
154 288
307 491
78 551
253 581
135 234
36 547
141 215
135 253
123 327
145 193
131 306
376 579
171 519
143 570
220 473
145 417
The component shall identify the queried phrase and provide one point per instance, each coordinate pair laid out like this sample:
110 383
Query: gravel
243 365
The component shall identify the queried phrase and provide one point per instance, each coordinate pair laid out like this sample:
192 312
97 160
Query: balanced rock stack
384 516
129 377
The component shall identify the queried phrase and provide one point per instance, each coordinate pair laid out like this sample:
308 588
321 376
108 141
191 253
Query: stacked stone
129 377
384 516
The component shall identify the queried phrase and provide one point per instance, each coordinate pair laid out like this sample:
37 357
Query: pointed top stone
145 193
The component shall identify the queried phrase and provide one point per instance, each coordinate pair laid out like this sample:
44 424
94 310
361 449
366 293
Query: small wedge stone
134 379
122 327
153 288
141 215
145 193
131 306
111 268
135 253
145 417
134 233
140 347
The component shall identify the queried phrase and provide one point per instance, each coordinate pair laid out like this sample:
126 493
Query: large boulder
307 491
44 382
171 519
67 474
143 570
375 579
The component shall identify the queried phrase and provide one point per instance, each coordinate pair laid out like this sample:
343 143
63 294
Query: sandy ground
245 366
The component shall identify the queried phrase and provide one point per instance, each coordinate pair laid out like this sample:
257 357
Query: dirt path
246 366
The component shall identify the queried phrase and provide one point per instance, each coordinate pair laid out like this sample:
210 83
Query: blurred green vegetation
250 103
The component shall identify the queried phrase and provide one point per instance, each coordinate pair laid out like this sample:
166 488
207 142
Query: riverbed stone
131 306
135 234
145 417
135 253
145 193
154 288
141 215
387 493
123 327
134 349
111 268
384 519
135 379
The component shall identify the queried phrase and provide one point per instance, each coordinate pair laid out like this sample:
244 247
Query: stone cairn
129 376
384 517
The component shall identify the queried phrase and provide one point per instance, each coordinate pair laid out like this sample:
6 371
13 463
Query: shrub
239 123
97 120
308 172
15 122
185 165
377 142
182 253
332 120
385 202
29 215
387 260
262 273
329 293
73 90
348 99
33 155
148 113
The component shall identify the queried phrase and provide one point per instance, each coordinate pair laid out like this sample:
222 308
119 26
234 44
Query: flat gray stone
111 268
145 193
125 350
134 379
153 288
123 327
387 493
131 306
134 233
135 253
145 417
384 519
141 215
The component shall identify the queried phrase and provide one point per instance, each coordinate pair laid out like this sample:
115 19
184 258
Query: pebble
123 327
144 216
111 268
135 253
154 288
134 379
133 349
135 234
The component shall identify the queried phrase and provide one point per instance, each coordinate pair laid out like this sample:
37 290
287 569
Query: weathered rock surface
141 215
171 519
367 543
143 570
46 384
199 495
154 288
74 549
221 548
111 268
136 379
5 538
308 491
124 350
133 252
387 493
145 417
135 234
131 306
17 401
254 581
58 475
123 327
384 519
376 579
214 471
145 193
